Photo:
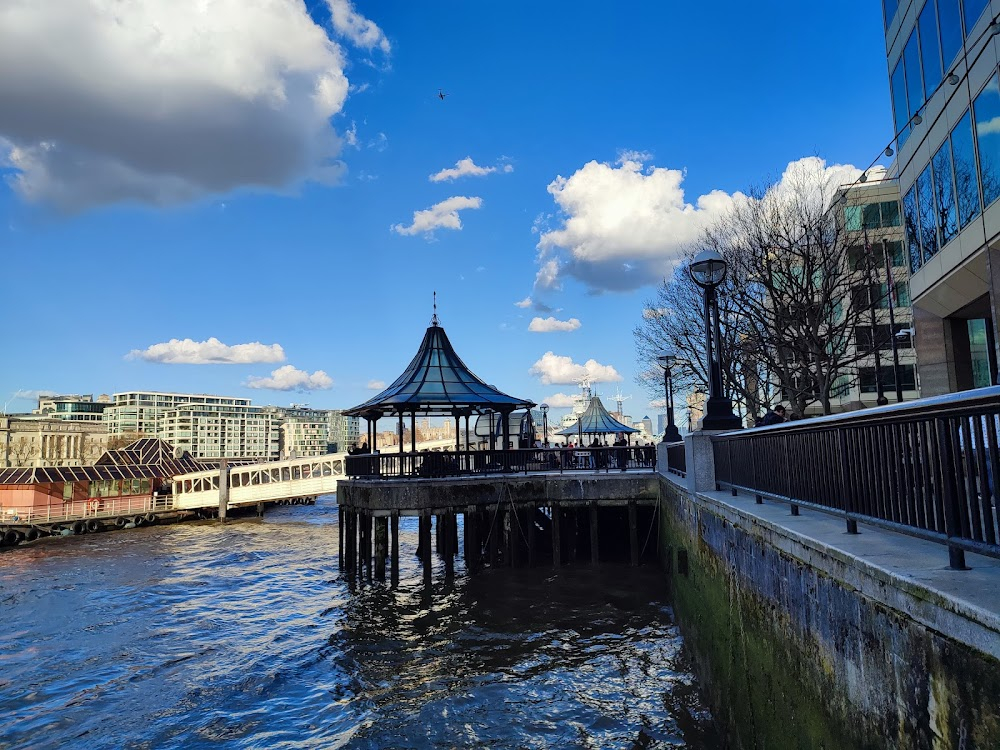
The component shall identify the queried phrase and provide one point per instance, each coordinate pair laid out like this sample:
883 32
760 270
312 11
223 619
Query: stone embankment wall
799 645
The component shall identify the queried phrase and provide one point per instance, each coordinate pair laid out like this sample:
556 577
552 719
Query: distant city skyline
267 215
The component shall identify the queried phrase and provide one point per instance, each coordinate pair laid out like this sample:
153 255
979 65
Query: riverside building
207 426
943 71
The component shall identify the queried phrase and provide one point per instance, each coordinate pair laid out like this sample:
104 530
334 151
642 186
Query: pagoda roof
596 421
437 382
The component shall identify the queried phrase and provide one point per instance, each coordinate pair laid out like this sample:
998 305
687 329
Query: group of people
777 415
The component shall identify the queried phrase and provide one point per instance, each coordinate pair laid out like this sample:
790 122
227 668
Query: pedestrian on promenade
774 416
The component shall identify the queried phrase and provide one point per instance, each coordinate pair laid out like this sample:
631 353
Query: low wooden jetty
499 520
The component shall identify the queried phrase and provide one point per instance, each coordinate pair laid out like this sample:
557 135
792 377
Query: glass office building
945 89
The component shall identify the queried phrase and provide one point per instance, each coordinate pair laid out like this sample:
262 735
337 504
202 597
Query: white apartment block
207 426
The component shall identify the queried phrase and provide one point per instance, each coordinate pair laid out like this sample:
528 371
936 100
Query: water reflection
245 636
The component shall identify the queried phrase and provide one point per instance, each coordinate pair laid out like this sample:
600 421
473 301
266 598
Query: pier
517 520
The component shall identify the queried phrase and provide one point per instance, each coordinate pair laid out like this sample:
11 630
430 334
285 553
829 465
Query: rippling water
244 636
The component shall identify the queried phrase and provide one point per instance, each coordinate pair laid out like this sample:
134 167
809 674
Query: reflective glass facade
928 54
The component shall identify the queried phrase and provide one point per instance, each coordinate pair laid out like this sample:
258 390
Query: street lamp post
545 424
667 361
708 269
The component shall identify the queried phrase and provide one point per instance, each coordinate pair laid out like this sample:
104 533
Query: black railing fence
928 468
518 461
677 459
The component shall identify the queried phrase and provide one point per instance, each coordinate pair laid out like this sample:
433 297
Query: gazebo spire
434 317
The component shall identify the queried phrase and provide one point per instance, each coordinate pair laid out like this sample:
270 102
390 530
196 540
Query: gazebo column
467 431
413 431
400 430
458 432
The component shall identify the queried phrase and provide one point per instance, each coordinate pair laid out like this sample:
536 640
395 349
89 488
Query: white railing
77 510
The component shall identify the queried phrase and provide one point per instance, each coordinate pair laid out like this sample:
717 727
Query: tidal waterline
246 636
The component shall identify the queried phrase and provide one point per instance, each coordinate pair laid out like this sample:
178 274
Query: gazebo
437 383
596 421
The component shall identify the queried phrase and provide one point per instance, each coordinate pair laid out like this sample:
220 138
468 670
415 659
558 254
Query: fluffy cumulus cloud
443 215
376 385
550 324
560 401
289 378
209 352
165 101
359 30
625 225
467 168
526 302
559 370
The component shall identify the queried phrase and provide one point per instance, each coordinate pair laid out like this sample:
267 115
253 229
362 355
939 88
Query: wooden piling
394 560
495 523
513 538
594 554
425 544
368 545
340 536
437 533
381 544
633 534
556 540
447 544
530 515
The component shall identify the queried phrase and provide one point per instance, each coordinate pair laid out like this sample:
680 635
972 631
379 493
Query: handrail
438 464
926 468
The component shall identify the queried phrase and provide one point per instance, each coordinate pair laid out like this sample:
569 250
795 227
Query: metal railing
677 459
436 464
927 468
80 510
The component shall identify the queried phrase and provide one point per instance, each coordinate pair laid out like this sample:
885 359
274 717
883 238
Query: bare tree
788 257
789 308
675 321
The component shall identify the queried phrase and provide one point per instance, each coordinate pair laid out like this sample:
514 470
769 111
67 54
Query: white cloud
626 226
209 352
443 215
166 101
548 325
288 378
375 385
465 168
362 32
526 302
555 369
560 401
650 313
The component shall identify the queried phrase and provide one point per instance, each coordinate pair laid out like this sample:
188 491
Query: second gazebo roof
596 421
437 382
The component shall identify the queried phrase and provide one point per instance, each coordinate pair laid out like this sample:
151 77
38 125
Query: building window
973 10
907 377
986 111
914 77
889 9
944 192
67 491
927 213
912 224
950 23
899 107
966 183
930 46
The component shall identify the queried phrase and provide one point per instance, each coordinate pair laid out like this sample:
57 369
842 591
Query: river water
245 636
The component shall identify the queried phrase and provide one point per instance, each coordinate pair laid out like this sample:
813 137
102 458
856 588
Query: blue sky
253 177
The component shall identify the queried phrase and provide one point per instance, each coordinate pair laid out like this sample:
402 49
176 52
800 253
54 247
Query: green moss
772 683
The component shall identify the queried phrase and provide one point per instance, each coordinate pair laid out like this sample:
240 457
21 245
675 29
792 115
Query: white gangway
263 482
